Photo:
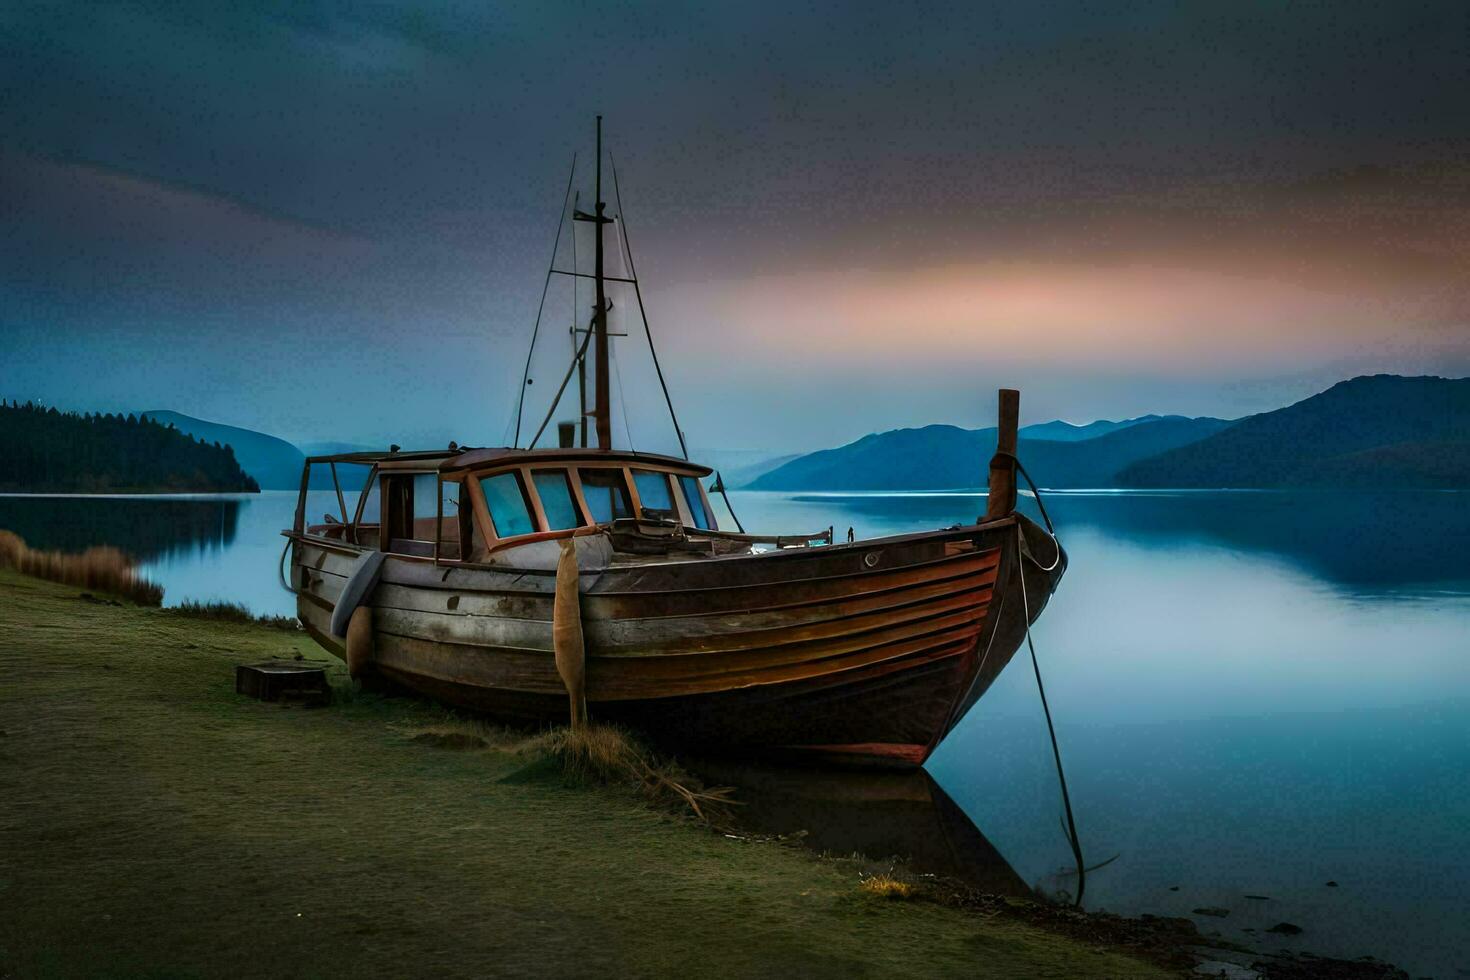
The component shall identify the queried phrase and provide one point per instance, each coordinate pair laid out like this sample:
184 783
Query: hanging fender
359 585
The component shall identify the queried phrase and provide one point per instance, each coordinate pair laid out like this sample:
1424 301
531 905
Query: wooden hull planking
885 643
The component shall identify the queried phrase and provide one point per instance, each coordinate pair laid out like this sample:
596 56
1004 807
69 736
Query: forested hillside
46 450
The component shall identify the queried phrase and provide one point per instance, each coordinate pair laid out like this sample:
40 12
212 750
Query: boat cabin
474 505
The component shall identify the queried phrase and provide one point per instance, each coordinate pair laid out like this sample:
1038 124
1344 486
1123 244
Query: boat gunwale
987 571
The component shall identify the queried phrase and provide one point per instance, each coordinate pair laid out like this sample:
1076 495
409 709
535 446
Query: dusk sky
332 222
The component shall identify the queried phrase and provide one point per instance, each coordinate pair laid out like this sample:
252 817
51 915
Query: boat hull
870 650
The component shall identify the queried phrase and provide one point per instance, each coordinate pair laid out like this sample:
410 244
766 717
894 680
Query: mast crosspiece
597 334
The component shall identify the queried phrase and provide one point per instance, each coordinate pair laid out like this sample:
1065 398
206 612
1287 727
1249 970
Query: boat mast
601 412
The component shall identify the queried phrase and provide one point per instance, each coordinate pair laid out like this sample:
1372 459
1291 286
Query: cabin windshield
364 500
539 500
606 494
558 503
695 500
360 489
653 494
509 506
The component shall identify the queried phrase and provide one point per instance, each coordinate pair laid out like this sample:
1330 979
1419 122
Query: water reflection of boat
881 815
512 580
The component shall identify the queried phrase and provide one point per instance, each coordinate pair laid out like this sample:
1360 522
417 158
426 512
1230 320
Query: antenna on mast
601 412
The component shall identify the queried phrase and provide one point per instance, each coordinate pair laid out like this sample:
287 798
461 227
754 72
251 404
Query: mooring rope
1045 517
1071 825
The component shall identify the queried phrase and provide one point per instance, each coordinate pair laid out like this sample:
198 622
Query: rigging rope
576 295
581 351
637 291
719 488
556 243
622 398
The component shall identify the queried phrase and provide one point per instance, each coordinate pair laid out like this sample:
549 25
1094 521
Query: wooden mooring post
1002 500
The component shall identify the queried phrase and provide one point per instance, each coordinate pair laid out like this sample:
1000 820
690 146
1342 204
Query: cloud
1064 191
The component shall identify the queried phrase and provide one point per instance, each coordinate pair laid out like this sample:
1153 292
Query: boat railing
823 537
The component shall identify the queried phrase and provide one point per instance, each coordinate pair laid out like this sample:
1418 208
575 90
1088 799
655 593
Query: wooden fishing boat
533 582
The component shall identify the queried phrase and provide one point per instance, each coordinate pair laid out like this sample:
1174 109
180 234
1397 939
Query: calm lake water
1255 694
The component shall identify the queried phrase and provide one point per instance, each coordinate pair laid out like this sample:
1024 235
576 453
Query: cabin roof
475 458
456 460
419 456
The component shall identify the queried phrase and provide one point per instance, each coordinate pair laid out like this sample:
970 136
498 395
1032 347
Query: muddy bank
905 828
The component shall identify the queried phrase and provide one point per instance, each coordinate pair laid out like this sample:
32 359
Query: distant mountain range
740 466
946 457
1381 431
275 463
1059 431
272 461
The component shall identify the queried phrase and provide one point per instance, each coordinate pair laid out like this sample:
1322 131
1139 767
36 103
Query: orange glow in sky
1149 315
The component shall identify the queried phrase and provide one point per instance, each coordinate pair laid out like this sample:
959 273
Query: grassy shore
153 822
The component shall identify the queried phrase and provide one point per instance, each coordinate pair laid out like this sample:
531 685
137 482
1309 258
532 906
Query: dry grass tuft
599 754
103 569
465 733
231 612
887 886
594 755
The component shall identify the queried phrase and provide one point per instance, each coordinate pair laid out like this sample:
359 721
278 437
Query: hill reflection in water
146 527
1360 541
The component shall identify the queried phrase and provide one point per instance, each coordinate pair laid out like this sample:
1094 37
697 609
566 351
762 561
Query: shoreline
130 494
182 822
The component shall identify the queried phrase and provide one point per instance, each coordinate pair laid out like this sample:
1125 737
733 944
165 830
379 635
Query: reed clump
103 569
231 612
601 754
886 886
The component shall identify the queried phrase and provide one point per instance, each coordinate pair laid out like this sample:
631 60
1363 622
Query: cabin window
510 510
410 513
695 500
606 495
425 505
360 480
397 507
554 487
653 493
450 540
